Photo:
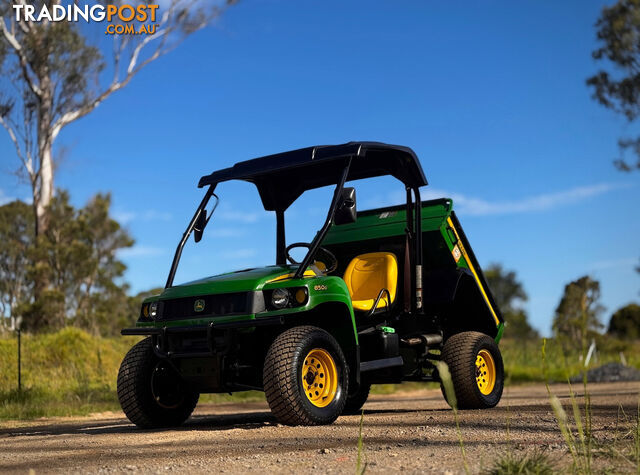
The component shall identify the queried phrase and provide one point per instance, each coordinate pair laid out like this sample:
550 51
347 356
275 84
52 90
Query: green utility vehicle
379 297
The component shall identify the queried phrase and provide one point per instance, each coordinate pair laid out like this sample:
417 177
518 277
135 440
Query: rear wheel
305 377
476 368
150 391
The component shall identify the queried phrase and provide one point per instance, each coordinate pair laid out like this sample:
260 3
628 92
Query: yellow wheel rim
485 372
319 377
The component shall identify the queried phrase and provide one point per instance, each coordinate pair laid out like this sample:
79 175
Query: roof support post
408 275
418 251
327 224
281 245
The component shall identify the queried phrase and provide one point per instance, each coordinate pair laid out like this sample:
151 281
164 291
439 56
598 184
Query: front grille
238 303
191 342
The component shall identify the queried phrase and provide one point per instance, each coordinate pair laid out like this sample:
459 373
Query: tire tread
133 391
280 380
459 352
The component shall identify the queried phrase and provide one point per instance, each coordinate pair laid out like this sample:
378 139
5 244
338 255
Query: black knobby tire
459 353
282 377
151 394
356 399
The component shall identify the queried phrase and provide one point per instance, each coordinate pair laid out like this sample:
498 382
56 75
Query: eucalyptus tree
576 318
56 72
617 84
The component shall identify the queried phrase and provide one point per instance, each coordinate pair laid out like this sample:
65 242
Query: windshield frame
185 236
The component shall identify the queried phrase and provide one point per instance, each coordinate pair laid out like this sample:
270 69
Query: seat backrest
367 274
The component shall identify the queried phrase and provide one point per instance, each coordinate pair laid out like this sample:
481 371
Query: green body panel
321 289
240 281
393 222
387 222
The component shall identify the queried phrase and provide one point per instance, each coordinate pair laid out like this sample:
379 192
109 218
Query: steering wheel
333 261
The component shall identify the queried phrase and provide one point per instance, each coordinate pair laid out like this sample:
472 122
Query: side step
381 364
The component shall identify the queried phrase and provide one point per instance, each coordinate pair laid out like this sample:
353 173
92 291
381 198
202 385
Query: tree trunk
44 192
43 186
46 186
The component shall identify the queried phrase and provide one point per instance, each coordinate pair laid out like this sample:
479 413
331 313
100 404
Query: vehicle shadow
205 422
197 422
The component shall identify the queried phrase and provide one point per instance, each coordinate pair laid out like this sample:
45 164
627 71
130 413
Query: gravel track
407 431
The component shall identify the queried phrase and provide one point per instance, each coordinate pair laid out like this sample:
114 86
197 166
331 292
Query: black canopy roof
283 177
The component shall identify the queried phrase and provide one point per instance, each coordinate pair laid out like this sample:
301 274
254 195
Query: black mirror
201 223
346 212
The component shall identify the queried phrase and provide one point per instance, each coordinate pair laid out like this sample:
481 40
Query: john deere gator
380 296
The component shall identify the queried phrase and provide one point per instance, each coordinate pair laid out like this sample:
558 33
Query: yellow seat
367 275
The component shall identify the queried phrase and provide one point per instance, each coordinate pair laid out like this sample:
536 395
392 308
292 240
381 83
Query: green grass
69 373
522 359
534 463
447 383
65 373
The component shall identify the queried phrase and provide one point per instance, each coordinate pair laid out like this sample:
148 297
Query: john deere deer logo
198 306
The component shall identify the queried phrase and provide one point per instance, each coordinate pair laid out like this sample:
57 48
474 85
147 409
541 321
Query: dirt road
412 432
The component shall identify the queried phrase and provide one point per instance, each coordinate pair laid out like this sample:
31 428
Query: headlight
153 309
280 298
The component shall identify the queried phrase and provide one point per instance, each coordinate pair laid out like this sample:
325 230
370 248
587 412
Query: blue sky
491 96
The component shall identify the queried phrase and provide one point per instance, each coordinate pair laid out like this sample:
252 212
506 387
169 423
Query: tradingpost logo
119 19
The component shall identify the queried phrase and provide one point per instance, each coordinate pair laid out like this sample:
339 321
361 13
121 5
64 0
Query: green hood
239 281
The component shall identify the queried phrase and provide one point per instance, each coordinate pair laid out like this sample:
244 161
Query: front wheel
476 368
305 377
150 391
357 398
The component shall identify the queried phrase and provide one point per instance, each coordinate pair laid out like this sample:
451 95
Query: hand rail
375 304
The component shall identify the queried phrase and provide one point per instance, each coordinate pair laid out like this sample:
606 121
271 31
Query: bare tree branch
16 143
17 47
133 68
22 23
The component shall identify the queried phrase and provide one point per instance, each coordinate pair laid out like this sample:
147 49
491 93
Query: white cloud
140 251
480 207
474 206
625 262
153 215
125 217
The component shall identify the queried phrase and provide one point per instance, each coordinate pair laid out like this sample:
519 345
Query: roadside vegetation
69 372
